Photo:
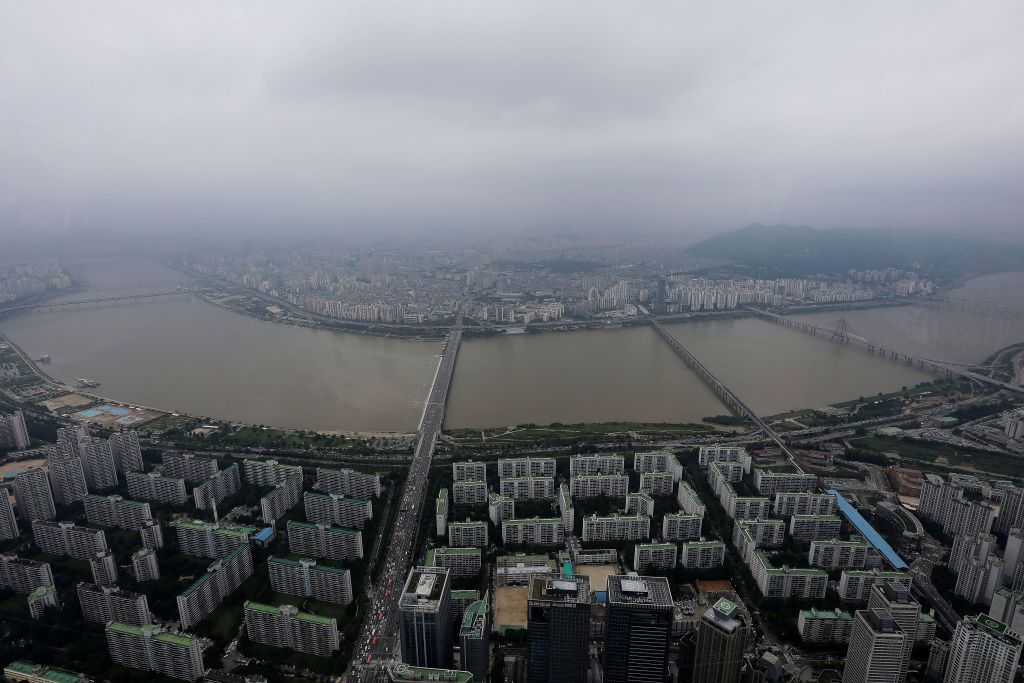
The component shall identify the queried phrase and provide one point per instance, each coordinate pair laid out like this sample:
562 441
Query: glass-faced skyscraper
638 628
721 636
425 618
558 629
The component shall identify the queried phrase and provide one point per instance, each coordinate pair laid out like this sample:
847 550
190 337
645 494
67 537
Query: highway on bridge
378 638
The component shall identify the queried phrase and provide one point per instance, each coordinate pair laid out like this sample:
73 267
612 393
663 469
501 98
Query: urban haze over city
516 342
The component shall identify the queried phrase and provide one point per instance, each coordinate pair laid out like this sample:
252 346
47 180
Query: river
191 356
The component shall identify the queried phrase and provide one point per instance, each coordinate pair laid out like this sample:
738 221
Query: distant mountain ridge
801 250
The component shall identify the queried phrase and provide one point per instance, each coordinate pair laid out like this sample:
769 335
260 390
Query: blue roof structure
265 535
868 531
567 568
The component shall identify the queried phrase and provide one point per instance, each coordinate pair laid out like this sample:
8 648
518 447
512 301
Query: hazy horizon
233 119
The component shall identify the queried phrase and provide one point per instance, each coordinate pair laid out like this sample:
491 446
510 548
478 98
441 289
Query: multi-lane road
378 639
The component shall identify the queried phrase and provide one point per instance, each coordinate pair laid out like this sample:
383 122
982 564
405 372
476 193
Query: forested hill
800 250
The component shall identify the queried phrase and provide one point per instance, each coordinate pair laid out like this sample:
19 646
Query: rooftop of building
828 614
446 550
534 520
326 527
651 591
467 524
880 621
43 672
403 673
474 621
894 592
560 588
424 586
725 615
506 561
992 627
766 561
112 590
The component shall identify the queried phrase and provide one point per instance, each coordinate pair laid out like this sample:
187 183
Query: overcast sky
483 116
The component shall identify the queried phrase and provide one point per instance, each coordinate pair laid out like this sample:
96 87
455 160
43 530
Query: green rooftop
175 639
45 673
830 614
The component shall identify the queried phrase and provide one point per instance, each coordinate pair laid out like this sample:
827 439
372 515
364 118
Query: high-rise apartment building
145 566
67 476
306 578
499 508
117 512
526 467
467 470
98 463
221 579
469 492
721 638
207 539
337 508
223 483
104 568
155 486
425 619
468 534
982 650
658 461
67 538
638 629
558 629
32 494
101 604
127 451
348 482
13 432
151 648
616 527
285 626
192 468
321 540
533 531
8 524
23 575
152 535
596 463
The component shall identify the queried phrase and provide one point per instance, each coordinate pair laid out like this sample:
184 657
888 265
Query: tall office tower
878 649
98 463
638 628
306 578
191 468
425 618
151 648
13 433
101 604
104 568
152 535
127 452
475 639
145 565
32 494
895 599
982 650
22 575
286 626
558 628
67 477
8 525
721 636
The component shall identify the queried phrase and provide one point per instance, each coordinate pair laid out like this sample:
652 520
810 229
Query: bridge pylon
841 333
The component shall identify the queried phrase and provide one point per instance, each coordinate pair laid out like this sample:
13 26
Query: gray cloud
332 116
